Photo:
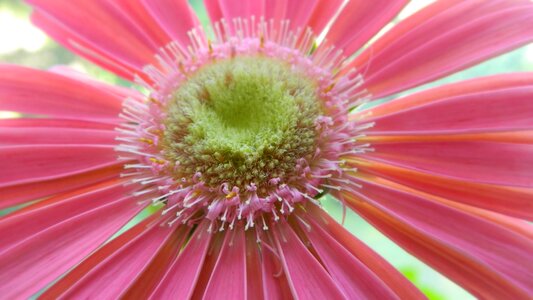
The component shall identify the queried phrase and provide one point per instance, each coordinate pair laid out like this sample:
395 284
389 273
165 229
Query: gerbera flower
244 125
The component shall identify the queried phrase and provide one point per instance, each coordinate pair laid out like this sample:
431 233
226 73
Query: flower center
244 129
241 121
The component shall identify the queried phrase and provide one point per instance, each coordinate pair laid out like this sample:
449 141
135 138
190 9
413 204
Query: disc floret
242 121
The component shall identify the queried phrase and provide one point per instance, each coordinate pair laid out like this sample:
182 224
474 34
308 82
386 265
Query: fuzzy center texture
242 121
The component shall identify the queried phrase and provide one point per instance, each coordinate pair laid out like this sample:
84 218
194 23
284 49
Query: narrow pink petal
516 136
307 277
397 282
213 10
518 226
482 162
276 9
59 96
443 38
297 12
254 271
324 12
18 194
360 20
229 275
23 136
140 17
433 16
23 164
176 17
30 123
32 265
99 23
145 282
38 217
243 9
217 240
98 258
181 278
275 284
449 91
501 109
300 12
512 201
108 272
115 90
355 279
77 44
483 257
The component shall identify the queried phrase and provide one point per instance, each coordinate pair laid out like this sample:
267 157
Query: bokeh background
24 44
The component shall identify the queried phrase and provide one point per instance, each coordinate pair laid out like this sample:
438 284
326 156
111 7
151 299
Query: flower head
243 126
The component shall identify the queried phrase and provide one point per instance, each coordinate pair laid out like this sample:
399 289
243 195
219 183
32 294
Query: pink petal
213 10
23 136
77 44
275 284
98 24
400 285
254 271
141 18
209 262
299 13
180 280
449 91
482 162
176 17
23 164
315 14
494 114
228 278
501 109
517 136
99 257
30 123
146 281
512 201
244 9
30 266
360 20
17 194
111 269
307 278
443 38
276 9
115 90
355 279
483 257
38 217
59 96
324 12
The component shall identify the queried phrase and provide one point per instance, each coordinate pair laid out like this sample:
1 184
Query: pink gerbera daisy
242 126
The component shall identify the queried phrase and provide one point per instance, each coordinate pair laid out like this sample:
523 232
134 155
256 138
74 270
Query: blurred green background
22 43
